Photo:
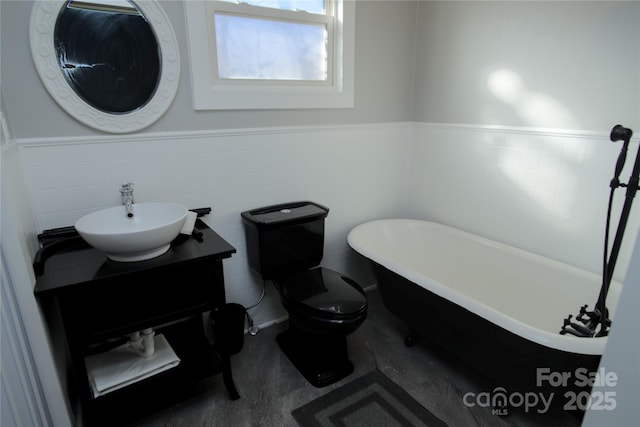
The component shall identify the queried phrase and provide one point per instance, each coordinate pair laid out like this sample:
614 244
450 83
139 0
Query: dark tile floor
271 387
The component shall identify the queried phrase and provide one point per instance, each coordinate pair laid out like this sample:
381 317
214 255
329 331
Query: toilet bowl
285 245
322 301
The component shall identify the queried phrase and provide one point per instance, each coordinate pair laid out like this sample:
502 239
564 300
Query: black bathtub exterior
506 358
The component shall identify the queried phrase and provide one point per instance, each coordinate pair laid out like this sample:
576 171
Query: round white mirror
113 65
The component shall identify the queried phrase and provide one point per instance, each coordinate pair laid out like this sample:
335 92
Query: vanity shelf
91 303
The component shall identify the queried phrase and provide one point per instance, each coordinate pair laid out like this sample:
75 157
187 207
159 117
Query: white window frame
211 93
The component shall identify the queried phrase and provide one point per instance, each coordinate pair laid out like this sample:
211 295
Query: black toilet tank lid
285 212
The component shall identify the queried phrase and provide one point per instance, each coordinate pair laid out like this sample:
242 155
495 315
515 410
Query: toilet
285 245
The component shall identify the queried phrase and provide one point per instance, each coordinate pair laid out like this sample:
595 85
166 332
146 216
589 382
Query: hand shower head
621 133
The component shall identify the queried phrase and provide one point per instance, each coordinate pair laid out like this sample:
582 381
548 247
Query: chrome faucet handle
126 194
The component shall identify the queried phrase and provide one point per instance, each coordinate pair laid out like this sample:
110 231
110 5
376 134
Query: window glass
253 48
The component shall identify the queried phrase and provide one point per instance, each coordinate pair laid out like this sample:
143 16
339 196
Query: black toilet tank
284 239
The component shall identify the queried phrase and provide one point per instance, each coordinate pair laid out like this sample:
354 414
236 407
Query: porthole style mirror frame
44 16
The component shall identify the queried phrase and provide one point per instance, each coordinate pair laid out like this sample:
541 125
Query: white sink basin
146 235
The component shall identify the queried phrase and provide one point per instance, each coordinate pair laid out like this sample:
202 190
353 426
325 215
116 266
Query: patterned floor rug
369 401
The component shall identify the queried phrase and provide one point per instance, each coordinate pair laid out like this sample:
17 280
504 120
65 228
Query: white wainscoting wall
358 171
541 190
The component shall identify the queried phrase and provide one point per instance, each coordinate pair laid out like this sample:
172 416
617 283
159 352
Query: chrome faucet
126 193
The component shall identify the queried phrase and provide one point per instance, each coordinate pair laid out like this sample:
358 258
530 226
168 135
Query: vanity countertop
85 265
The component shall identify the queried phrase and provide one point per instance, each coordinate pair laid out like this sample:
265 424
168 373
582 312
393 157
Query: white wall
542 64
31 390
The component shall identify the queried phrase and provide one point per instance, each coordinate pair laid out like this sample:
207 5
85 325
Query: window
262 54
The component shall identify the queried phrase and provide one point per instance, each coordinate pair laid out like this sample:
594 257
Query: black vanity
91 303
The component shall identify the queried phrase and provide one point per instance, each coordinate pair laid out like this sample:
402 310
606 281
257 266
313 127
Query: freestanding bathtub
496 307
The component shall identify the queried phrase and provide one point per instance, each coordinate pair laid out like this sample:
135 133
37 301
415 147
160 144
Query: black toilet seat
323 293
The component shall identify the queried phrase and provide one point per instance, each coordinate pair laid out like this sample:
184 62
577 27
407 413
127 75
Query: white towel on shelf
122 366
